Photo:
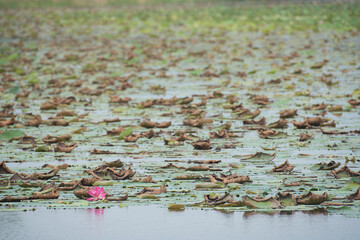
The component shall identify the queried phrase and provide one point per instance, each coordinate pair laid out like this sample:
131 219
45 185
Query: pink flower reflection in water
97 212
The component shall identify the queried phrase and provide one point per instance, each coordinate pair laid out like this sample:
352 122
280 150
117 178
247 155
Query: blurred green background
111 3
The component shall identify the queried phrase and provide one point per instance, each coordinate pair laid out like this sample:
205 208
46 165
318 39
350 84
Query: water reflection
317 211
151 222
98 213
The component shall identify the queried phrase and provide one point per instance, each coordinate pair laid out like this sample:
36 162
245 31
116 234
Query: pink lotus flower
97 193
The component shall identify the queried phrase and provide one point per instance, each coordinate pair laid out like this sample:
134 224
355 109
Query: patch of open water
153 222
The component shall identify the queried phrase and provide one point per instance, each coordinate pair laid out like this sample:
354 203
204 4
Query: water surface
152 222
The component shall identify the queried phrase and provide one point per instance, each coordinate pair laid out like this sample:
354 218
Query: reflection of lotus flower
97 193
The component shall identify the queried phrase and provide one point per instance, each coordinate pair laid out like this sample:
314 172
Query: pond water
94 56
153 222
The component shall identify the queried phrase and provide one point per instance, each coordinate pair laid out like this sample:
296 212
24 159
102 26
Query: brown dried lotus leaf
48 106
56 139
132 138
96 151
337 108
198 168
330 132
66 113
54 194
68 186
248 114
278 124
259 156
171 165
166 102
217 200
187 177
205 161
49 187
202 145
117 163
25 94
27 140
54 102
238 108
50 174
214 179
154 191
261 203
56 168
111 120
286 199
105 170
193 123
328 124
328 166
8 105
88 181
4 169
122 198
311 198
301 125
57 122
149 134
7 112
261 121
35 121
185 100
21 177
13 199
90 92
321 106
115 131
318 65
10 121
80 130
148 124
269 149
181 138
176 207
83 193
354 102
293 184
122 174
211 74
118 99
315 121
55 117
260 99
285 167
305 137
288 113
226 126
266 133
345 172
202 168
221 134
236 179
147 103
147 179
354 196
67 148
163 124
